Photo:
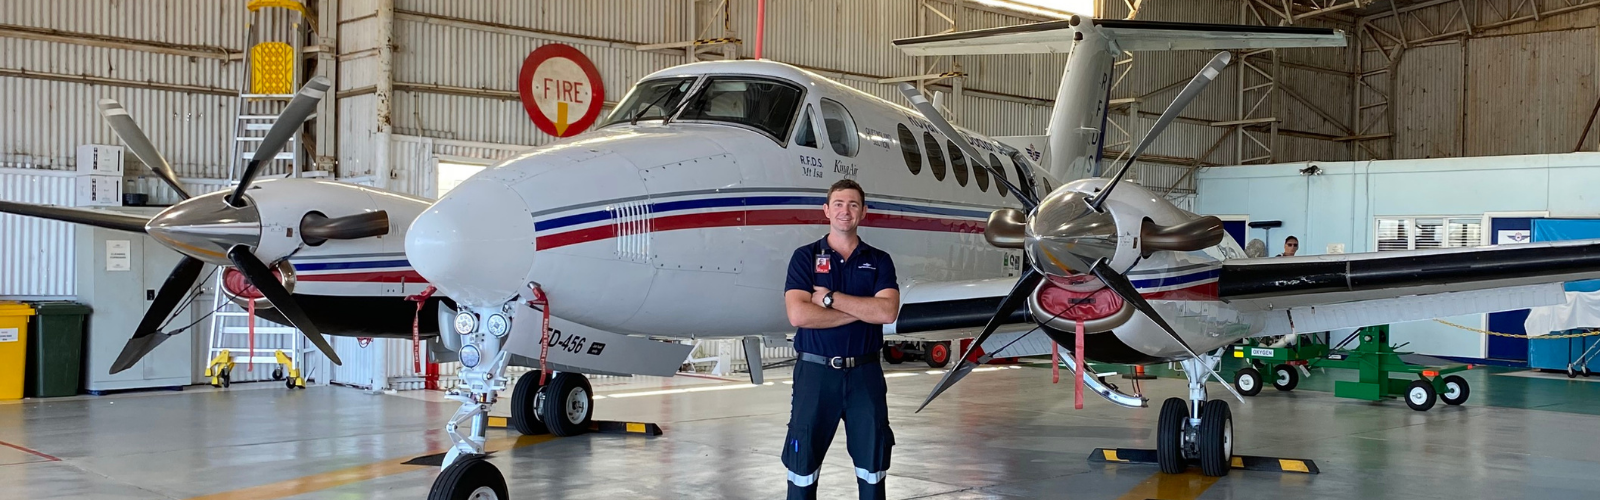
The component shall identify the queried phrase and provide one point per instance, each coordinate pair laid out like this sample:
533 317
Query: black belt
839 362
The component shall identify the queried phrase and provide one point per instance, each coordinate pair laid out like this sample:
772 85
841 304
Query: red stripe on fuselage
406 276
760 218
1203 291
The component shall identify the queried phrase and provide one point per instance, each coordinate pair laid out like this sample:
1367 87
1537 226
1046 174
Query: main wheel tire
1285 378
469 478
1169 435
1247 381
938 354
525 405
1216 438
1420 395
1455 390
894 354
567 405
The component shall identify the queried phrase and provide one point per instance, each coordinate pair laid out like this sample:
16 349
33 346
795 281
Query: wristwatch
827 300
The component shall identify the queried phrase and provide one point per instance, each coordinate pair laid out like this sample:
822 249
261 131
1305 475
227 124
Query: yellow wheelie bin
13 348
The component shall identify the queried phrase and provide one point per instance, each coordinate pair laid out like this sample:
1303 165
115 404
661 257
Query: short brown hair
844 184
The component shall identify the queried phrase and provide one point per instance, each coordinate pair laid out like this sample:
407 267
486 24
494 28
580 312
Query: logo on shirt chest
823 264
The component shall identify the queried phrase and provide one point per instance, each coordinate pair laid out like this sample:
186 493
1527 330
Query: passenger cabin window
763 104
958 163
935 156
1000 172
807 136
841 128
1024 181
909 149
651 100
980 174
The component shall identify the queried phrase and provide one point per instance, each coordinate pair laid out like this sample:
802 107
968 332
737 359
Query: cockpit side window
764 104
807 135
841 128
651 100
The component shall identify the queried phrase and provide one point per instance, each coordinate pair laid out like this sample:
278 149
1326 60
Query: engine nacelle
242 293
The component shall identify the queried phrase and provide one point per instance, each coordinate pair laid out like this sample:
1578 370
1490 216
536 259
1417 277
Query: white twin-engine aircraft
676 217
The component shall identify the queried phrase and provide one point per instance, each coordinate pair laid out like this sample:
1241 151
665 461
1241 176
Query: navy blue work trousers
822 397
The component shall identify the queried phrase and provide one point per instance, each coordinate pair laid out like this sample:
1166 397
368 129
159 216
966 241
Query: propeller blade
300 108
1025 285
108 220
148 335
931 113
261 277
1126 290
316 228
1190 91
138 144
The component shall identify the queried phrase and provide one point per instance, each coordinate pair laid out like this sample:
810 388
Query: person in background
1291 245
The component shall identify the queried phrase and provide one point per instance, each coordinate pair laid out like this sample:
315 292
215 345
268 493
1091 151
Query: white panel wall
36 254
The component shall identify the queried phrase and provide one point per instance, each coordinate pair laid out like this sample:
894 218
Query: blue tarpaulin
1569 229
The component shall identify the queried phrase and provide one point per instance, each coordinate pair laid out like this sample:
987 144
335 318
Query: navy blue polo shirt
863 274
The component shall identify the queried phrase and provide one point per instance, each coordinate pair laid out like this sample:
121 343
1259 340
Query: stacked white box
98 159
98 191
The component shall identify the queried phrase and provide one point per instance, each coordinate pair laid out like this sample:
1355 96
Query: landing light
498 325
466 322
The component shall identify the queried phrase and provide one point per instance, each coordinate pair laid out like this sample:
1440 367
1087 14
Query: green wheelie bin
55 349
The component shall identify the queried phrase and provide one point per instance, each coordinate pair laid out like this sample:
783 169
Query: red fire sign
561 89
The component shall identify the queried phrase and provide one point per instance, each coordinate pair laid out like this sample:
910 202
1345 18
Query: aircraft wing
1058 37
1326 292
950 310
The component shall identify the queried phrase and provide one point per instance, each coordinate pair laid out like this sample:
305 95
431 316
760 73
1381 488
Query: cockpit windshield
652 100
761 103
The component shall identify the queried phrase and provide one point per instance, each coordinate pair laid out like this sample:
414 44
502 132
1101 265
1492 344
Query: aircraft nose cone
476 244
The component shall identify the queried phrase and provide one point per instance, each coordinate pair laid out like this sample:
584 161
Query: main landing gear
564 407
1197 429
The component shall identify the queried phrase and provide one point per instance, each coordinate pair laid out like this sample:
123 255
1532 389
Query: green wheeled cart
1372 357
1283 366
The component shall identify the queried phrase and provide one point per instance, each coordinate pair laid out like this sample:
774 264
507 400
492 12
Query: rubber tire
894 354
1571 373
1251 389
1294 378
1169 436
525 405
277 373
1216 438
466 475
1462 384
1429 399
552 408
227 378
938 354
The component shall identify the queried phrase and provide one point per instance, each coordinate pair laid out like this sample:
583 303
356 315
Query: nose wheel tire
524 405
938 354
1169 435
1247 381
469 478
567 405
1285 378
1216 438
1455 390
1420 395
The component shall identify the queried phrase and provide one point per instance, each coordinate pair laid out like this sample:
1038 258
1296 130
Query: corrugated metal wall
1529 93
1428 111
36 254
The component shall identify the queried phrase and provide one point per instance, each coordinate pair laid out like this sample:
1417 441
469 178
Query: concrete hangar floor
1004 433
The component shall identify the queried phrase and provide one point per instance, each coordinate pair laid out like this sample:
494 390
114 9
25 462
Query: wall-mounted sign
561 90
1514 236
118 255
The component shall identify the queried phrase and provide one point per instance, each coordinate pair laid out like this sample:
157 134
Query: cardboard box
98 191
97 159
